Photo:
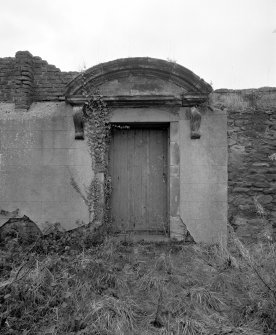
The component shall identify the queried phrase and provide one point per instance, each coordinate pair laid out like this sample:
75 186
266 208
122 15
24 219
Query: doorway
138 165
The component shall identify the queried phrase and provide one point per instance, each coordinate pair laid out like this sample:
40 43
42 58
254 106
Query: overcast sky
231 43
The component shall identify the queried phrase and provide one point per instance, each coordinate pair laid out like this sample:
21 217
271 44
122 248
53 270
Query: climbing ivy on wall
97 130
98 133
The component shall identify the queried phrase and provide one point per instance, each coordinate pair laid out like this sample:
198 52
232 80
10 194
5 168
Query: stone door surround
148 90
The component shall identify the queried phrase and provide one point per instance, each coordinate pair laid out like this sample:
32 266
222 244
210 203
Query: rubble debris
22 228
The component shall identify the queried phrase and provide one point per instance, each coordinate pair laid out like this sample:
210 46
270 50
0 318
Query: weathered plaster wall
203 177
251 140
39 156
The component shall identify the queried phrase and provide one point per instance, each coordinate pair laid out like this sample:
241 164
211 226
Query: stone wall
251 172
25 79
7 79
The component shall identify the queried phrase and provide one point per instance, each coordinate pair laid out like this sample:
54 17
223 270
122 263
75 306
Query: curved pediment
140 79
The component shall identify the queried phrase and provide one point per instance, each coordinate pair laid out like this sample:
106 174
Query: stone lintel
132 100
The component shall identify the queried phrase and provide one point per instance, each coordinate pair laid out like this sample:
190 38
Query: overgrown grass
68 285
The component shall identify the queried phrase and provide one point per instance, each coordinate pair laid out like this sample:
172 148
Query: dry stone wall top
25 79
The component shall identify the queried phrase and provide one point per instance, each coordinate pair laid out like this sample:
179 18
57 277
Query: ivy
98 133
97 129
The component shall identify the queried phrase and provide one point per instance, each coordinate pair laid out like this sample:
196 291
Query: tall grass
125 288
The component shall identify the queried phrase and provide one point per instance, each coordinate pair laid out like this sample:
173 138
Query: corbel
79 124
195 121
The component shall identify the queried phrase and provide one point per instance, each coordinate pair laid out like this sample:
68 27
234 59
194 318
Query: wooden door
138 169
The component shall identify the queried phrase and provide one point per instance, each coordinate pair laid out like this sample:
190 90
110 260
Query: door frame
173 171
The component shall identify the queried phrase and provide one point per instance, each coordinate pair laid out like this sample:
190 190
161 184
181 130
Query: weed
64 286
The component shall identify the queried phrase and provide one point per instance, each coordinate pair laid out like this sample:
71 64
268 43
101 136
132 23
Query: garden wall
40 163
251 171
25 79
39 154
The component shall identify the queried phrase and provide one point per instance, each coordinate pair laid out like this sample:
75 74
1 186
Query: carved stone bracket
79 124
195 121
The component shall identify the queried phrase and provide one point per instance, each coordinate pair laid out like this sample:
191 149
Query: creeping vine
98 133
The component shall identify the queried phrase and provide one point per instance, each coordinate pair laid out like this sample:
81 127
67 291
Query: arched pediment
142 79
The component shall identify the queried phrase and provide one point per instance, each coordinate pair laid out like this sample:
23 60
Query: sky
228 43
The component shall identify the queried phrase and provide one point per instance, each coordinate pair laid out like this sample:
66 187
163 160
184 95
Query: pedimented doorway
186 189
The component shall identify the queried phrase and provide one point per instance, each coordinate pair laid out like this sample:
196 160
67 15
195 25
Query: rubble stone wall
251 169
25 79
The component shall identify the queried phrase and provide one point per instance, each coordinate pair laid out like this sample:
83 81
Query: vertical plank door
138 169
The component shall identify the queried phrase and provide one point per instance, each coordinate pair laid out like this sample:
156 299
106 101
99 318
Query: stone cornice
194 88
144 100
